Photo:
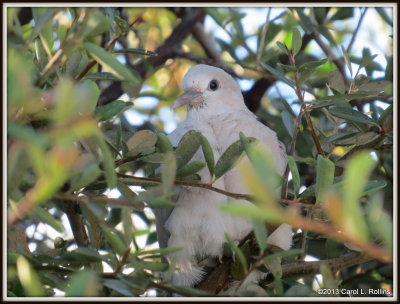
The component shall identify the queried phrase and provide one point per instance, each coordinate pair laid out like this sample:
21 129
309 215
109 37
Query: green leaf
97 24
380 222
261 234
343 13
328 277
288 68
164 143
83 284
238 253
112 109
310 65
160 202
339 136
89 175
352 115
230 157
107 60
136 51
296 41
47 218
358 139
126 191
283 47
72 64
208 154
283 254
385 114
320 14
278 74
116 243
29 278
339 97
119 287
248 210
325 175
168 171
108 162
336 81
356 175
305 21
187 147
287 122
44 26
295 175
191 168
141 142
102 76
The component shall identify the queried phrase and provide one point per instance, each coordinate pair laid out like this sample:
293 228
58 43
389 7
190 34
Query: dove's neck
211 112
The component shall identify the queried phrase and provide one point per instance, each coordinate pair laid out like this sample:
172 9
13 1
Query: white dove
215 107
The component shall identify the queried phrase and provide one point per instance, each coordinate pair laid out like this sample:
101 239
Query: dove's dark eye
213 85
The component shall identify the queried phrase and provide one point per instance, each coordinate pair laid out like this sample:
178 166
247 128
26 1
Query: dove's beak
188 98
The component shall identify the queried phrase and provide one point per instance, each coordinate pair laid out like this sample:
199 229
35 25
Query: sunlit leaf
29 278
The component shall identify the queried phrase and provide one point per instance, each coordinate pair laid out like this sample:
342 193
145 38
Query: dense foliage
88 96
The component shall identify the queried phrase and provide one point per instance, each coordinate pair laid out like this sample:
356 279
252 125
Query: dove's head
210 89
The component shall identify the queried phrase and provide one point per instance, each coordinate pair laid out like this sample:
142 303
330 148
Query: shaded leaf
230 157
136 51
208 154
102 76
116 243
296 41
336 81
237 252
164 143
47 218
295 175
111 109
82 284
187 147
278 74
261 234
325 175
352 115
107 60
168 171
140 142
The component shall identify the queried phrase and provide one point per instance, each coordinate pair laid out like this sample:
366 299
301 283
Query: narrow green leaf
343 13
230 157
278 74
336 81
338 136
283 47
191 168
89 175
305 21
136 51
116 243
328 278
83 284
29 279
356 175
288 68
140 142
126 191
164 143
102 76
47 218
385 114
112 109
283 254
43 26
352 115
108 162
261 234
287 122
295 175
107 60
339 97
187 147
238 253
118 286
208 154
160 202
72 63
250 211
325 175
296 41
168 171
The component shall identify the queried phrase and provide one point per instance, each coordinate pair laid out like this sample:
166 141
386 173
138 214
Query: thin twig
262 38
353 37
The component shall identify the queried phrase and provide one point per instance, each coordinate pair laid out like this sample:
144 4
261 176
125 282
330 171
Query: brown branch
105 199
72 210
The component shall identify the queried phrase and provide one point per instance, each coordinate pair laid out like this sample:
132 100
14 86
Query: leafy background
89 93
